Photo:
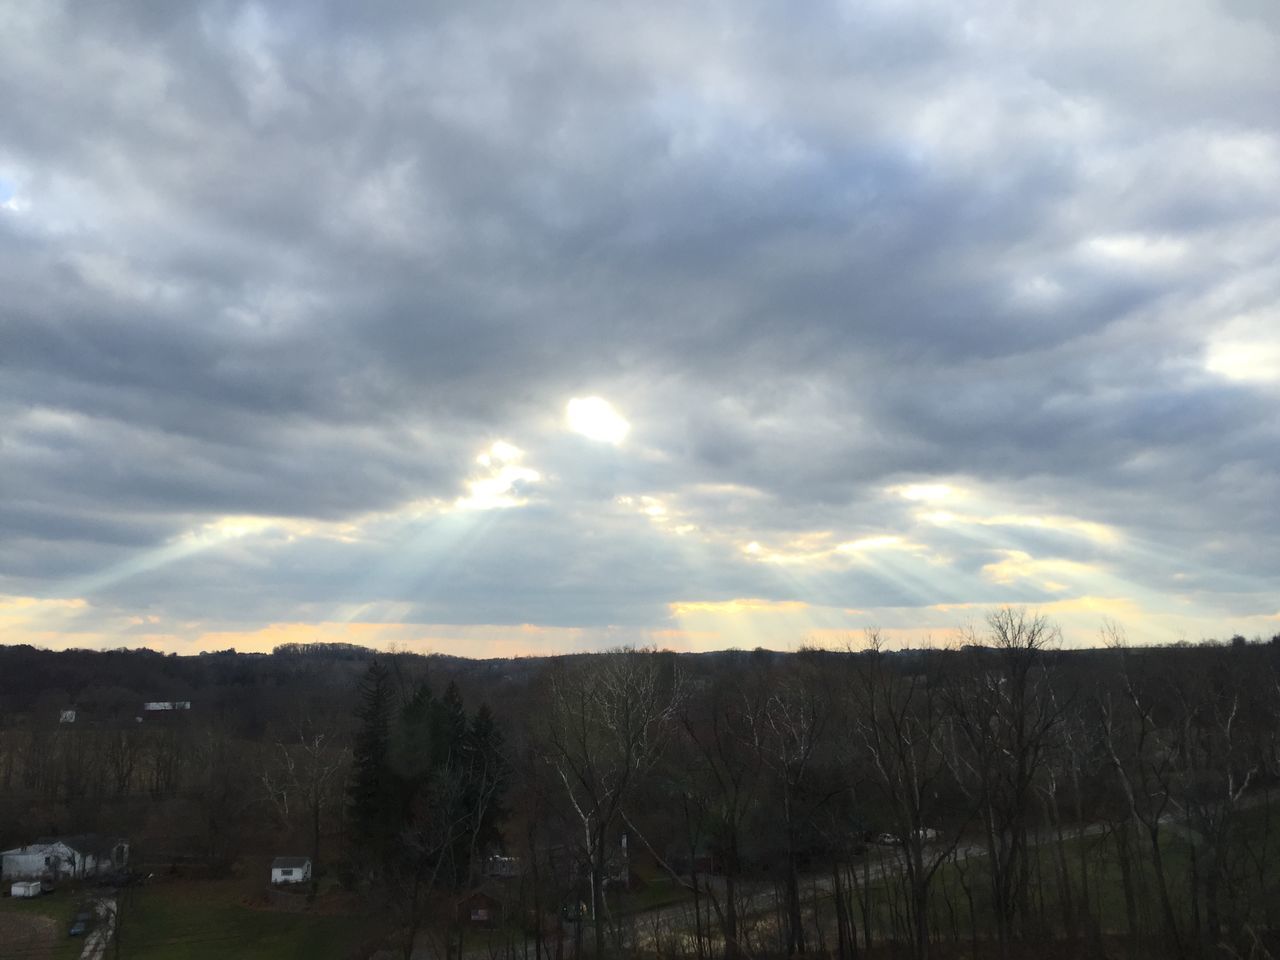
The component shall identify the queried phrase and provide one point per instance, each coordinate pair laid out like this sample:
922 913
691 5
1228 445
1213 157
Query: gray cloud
309 260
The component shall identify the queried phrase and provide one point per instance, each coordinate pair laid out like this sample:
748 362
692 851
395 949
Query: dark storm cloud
308 260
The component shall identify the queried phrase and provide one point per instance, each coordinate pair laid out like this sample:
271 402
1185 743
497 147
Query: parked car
80 925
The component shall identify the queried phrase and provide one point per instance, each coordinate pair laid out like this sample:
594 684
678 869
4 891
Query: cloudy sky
506 328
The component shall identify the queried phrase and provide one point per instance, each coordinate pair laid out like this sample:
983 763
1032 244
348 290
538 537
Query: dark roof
485 891
94 844
289 863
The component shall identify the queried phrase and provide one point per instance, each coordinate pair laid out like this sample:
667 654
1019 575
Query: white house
290 869
500 866
65 858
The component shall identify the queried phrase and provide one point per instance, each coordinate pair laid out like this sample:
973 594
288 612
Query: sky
508 328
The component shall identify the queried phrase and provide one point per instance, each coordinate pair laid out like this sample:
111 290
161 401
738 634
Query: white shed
25 888
290 869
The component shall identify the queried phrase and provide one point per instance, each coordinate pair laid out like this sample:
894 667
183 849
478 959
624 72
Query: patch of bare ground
29 936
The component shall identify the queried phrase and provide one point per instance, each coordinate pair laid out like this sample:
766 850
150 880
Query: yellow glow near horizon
738 607
702 625
596 419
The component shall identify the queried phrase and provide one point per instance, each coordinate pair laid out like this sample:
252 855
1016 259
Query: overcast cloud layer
894 311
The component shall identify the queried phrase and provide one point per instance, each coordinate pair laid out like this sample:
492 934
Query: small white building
500 866
65 858
290 870
25 889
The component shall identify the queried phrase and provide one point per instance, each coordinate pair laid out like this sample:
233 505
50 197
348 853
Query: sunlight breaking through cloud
596 419
926 492
1247 362
501 481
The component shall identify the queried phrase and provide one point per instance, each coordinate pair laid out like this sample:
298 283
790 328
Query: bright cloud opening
740 606
502 478
1098 532
232 528
1137 250
870 543
925 492
1055 574
10 199
651 507
595 419
1256 362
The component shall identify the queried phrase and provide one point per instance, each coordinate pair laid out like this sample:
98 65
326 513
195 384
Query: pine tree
488 774
369 796
413 749
451 739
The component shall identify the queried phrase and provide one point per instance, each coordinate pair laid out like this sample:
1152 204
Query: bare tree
609 720
716 772
788 726
426 856
732 771
900 728
1143 758
1007 712
303 770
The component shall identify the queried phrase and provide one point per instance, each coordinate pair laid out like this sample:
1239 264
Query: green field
1251 901
194 920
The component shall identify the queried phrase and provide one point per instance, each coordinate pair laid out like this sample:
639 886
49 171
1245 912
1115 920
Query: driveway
95 945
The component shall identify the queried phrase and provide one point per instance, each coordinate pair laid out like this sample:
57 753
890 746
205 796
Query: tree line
987 799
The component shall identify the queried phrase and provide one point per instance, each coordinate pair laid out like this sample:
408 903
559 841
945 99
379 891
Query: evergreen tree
413 749
370 794
451 737
488 774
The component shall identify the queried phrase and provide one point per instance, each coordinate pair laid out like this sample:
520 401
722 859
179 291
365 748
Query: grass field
37 929
661 891
949 913
195 920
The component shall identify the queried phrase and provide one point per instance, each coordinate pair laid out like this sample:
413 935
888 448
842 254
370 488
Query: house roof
484 891
94 844
290 863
